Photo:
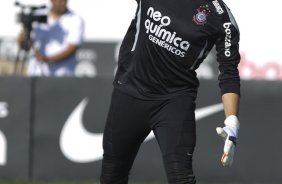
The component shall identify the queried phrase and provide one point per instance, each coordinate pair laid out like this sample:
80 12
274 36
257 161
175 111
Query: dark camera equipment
27 16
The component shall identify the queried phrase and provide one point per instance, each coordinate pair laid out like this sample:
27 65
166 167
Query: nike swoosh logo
3 149
4 112
81 146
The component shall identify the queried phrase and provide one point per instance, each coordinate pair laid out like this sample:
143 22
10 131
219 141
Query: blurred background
51 127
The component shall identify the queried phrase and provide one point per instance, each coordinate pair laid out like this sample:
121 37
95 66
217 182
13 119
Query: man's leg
125 130
176 134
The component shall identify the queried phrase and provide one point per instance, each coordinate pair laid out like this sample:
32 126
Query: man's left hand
40 57
229 133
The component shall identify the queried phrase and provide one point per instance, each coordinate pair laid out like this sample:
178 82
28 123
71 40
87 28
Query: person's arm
65 54
228 56
229 132
231 104
24 41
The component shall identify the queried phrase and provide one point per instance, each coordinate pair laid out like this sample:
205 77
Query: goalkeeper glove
229 133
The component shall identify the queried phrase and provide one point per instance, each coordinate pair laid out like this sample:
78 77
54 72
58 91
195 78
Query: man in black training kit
156 85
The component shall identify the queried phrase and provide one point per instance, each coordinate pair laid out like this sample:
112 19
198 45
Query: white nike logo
3 149
4 112
82 146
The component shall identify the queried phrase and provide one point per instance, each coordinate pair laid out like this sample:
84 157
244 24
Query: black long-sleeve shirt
168 40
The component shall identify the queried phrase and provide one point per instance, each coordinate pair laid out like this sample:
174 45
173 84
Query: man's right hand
24 41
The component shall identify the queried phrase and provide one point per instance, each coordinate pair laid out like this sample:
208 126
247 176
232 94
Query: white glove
229 133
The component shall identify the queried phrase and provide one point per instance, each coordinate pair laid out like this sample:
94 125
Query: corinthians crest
201 17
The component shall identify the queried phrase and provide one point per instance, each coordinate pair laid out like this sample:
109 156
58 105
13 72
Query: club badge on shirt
202 13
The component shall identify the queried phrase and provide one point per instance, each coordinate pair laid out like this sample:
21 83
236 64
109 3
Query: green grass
90 182
67 182
44 182
70 182
81 182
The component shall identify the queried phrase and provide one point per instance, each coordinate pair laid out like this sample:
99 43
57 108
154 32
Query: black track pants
130 120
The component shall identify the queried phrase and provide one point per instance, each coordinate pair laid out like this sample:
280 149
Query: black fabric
130 120
168 40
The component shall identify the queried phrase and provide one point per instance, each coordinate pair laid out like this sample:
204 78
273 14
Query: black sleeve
127 43
128 40
228 56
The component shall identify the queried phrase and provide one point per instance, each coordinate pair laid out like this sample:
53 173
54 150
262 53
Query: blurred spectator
54 44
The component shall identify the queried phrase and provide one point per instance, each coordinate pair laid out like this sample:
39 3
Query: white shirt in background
52 38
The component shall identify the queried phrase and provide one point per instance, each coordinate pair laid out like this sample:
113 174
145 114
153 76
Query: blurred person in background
54 44
156 85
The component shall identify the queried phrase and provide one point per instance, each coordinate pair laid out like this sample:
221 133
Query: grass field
80 182
66 182
91 182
